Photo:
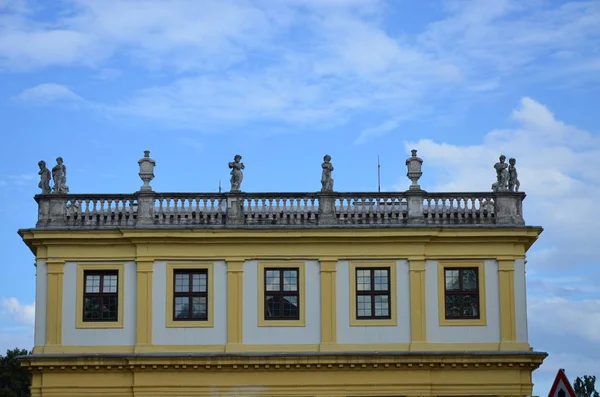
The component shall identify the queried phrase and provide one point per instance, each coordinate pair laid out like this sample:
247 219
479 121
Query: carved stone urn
413 164
146 170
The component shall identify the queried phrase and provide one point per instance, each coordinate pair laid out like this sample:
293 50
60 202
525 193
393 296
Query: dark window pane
272 307
182 306
290 306
469 277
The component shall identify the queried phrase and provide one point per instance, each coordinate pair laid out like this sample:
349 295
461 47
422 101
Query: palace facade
281 294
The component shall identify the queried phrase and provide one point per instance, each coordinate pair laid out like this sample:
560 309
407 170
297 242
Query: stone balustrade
322 209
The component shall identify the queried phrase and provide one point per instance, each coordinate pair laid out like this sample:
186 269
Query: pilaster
144 303
328 303
506 288
235 304
54 301
418 314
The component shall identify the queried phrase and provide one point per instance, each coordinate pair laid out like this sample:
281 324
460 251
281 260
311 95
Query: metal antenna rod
219 186
378 175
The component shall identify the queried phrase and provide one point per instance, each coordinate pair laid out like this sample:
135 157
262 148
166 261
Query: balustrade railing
145 209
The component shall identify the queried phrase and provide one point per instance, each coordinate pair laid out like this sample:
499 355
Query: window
281 294
461 290
461 293
282 298
101 297
373 295
191 295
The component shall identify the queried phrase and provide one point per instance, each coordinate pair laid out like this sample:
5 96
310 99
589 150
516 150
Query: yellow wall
328 246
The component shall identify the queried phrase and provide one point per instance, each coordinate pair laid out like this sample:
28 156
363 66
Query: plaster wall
73 336
463 334
309 334
399 333
215 335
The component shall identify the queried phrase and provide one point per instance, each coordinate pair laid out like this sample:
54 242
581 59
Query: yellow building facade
291 294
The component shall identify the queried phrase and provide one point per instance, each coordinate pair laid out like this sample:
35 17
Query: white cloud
312 63
49 93
19 312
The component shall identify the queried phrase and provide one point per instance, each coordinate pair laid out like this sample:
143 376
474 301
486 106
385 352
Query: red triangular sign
561 386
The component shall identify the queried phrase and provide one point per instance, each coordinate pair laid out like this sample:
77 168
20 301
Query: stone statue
513 182
326 179
44 178
59 175
236 173
501 175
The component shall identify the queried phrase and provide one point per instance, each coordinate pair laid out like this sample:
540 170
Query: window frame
101 293
372 292
481 291
82 270
190 294
262 294
281 293
391 267
171 268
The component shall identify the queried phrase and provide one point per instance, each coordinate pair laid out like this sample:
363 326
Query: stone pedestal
415 206
235 209
508 208
145 210
327 209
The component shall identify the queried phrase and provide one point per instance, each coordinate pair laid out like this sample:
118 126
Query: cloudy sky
283 83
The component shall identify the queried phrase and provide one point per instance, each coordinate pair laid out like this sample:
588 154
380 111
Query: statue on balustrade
236 173
44 178
501 167
513 182
59 175
326 179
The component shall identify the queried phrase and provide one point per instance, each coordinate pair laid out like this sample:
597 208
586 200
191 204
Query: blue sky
283 83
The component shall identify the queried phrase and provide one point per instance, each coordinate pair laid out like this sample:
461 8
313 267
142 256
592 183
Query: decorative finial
326 179
146 170
413 165
236 173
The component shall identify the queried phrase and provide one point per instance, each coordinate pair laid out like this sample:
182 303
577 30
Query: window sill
282 323
463 322
189 324
389 322
98 324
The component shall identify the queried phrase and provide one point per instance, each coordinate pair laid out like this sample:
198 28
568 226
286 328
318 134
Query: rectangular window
461 293
373 293
282 293
190 296
101 296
